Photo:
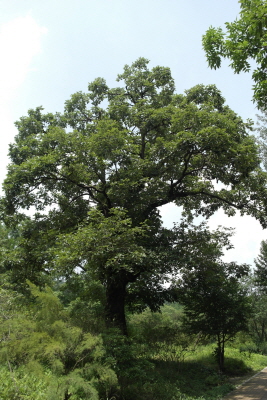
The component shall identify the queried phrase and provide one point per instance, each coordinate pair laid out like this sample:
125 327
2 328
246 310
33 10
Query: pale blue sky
51 49
90 38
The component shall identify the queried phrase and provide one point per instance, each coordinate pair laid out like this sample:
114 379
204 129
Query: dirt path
254 388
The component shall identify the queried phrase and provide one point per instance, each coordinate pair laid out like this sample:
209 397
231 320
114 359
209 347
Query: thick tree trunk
67 395
115 303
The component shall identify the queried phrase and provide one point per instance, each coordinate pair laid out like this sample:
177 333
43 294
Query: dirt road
254 388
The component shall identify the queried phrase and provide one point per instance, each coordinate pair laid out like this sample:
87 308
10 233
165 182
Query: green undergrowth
44 355
169 380
181 366
146 379
195 378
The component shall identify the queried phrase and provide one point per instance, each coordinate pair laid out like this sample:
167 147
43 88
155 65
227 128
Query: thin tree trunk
220 352
222 357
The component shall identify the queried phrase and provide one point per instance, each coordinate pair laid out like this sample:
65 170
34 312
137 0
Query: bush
160 335
18 384
42 340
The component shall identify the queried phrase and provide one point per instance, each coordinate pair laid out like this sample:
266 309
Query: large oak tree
98 173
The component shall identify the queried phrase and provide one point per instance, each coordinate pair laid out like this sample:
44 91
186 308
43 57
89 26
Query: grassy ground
196 377
178 367
236 361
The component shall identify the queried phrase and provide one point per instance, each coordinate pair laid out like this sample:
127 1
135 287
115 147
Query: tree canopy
244 40
98 173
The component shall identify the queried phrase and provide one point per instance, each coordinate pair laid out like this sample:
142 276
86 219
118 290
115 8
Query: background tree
215 304
97 174
245 39
260 272
258 318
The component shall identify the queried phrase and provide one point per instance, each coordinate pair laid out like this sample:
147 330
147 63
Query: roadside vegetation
45 355
98 299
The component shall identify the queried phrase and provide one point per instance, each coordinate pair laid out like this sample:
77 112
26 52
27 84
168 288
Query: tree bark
115 302
222 358
220 352
67 395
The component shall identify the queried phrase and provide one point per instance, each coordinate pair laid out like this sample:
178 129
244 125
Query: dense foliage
97 174
244 43
43 351
215 303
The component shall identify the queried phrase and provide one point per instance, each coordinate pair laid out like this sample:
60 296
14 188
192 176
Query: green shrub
160 335
43 340
18 384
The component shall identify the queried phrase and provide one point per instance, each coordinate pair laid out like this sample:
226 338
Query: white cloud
246 240
20 41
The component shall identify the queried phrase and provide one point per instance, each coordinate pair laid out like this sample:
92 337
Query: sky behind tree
52 49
